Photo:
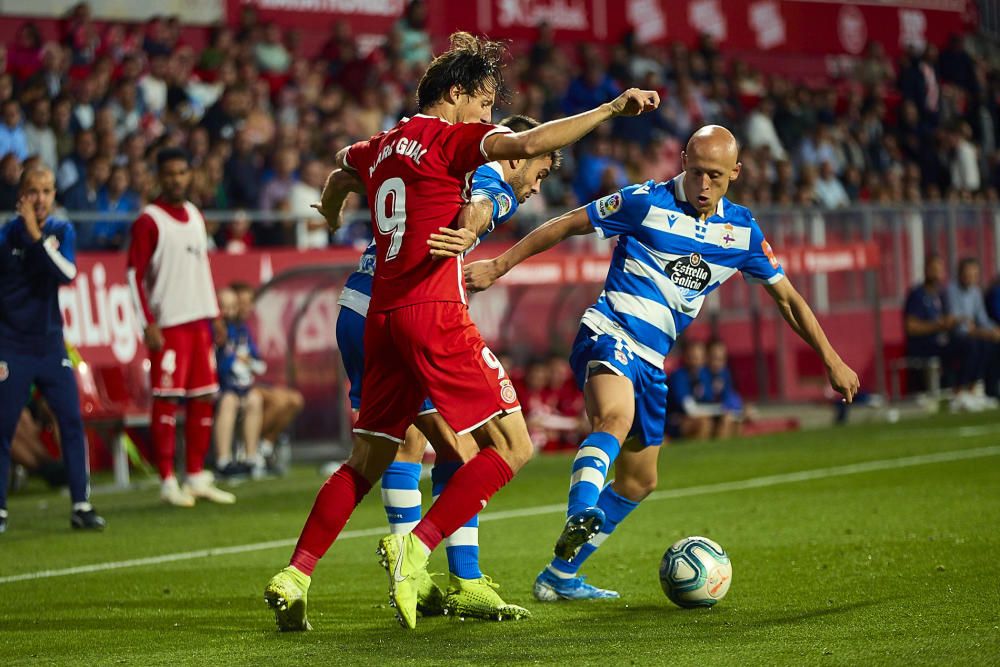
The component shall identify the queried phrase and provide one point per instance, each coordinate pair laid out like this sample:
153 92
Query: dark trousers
52 373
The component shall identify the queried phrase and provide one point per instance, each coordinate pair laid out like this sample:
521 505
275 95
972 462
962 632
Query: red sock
464 496
333 507
164 432
198 433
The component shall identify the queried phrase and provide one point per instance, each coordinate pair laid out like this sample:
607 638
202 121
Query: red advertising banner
818 27
100 321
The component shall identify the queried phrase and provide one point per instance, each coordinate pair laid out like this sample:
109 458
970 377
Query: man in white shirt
311 230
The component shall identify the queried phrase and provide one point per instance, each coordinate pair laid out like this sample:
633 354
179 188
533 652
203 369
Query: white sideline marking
705 489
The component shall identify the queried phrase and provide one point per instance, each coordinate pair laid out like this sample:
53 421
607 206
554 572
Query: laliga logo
102 316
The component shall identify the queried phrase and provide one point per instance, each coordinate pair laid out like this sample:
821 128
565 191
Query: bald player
677 241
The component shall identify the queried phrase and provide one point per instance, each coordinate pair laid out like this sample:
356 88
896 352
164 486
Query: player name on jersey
403 147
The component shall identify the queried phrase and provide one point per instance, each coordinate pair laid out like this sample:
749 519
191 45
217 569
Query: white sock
82 507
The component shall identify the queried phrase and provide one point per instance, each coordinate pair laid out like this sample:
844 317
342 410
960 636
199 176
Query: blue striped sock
462 545
616 508
401 496
590 469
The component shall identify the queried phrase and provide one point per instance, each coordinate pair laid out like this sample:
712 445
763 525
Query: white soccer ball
695 572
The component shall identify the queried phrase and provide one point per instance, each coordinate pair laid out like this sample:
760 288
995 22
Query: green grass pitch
882 551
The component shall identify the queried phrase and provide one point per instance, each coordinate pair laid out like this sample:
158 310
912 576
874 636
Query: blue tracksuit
32 350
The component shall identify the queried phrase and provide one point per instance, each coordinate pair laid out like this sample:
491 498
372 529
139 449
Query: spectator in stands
275 194
281 404
830 192
236 237
964 161
13 138
74 167
62 118
411 31
82 197
927 324
311 230
975 336
10 178
40 137
690 415
239 364
270 54
722 391
242 174
124 106
24 56
760 130
114 197
153 84
590 89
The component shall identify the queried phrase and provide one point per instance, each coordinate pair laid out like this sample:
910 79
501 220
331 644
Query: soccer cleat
549 588
403 559
3 521
478 598
430 597
172 494
202 485
579 528
87 520
285 595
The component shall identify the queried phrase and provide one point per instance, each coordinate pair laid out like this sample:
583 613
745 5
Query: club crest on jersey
727 239
504 203
609 205
507 392
4 371
691 274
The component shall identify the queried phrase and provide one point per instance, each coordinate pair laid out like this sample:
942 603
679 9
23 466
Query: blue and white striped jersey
667 260
487 182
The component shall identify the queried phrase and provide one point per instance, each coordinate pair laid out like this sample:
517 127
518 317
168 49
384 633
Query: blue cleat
580 527
549 588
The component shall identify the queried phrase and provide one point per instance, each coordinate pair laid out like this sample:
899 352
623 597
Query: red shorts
429 350
185 366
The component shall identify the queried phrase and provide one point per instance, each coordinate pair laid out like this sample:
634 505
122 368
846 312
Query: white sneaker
172 494
202 485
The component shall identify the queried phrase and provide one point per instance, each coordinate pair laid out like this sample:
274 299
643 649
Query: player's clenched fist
634 102
480 275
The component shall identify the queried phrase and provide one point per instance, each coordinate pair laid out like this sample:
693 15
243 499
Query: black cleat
87 520
3 521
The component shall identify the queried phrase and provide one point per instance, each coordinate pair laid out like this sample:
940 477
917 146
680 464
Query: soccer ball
695 572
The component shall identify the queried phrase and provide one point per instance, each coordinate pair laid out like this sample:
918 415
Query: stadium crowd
262 120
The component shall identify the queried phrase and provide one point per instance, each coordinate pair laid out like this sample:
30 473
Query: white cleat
172 494
202 485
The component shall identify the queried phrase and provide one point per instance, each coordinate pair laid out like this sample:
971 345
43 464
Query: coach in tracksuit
36 257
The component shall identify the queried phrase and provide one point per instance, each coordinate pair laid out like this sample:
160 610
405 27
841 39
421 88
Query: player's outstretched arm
473 221
480 275
339 184
557 134
800 317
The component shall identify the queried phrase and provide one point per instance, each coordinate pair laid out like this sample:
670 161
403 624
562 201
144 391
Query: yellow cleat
285 594
405 561
478 598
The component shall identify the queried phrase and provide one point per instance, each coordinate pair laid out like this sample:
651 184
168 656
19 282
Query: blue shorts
351 341
591 349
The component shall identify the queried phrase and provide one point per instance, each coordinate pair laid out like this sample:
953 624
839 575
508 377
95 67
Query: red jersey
417 176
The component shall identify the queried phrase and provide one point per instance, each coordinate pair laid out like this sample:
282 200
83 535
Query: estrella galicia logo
691 274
